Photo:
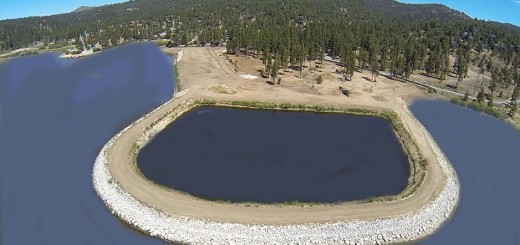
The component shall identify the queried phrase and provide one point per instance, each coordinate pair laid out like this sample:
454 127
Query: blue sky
10 9
507 11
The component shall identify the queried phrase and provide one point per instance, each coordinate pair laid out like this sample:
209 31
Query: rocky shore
403 228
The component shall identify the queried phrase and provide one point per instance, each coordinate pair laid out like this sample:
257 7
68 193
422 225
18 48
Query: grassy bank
499 113
177 79
416 161
22 53
516 121
482 107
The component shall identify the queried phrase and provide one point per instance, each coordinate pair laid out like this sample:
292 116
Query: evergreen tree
409 61
461 66
481 66
514 99
490 102
466 96
495 77
384 60
481 96
396 61
283 58
269 66
351 64
301 57
430 64
274 68
374 66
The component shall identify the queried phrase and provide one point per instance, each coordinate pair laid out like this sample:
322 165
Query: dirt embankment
205 74
203 68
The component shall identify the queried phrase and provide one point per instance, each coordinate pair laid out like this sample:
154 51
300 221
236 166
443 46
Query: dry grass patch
221 89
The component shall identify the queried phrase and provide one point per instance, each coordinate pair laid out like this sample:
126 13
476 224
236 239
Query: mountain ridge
81 9
121 18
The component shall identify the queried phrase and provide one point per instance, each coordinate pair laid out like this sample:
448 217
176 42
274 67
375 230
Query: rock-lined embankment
411 226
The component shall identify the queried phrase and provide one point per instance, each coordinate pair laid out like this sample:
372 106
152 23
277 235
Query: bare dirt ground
204 68
472 83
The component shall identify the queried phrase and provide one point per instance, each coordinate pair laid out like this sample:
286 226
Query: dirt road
202 68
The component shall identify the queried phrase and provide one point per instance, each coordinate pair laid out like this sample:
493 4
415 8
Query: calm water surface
274 156
55 115
485 152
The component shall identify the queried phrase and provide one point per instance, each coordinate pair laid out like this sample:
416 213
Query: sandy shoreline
182 219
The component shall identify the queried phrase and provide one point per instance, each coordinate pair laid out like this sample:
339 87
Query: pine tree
269 66
395 58
374 66
400 65
481 95
364 58
293 58
301 57
408 65
490 102
351 65
274 68
514 99
461 66
481 66
495 77
430 65
384 60
283 58
343 58
445 66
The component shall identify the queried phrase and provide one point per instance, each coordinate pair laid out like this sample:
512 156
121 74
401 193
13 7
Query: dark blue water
485 152
55 115
275 156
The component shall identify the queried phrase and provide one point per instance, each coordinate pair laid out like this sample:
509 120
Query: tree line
378 35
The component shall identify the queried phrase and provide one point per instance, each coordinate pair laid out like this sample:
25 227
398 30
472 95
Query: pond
238 155
55 116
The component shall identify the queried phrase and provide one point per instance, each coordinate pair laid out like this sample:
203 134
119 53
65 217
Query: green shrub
177 80
458 101
319 80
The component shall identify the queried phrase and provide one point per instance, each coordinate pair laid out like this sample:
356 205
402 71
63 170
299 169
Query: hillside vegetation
379 35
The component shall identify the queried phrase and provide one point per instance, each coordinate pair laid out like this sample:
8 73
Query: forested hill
415 12
114 18
380 35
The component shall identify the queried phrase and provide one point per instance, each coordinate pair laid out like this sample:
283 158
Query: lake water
485 152
276 156
55 116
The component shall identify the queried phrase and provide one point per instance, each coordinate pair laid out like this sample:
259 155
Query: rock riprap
403 228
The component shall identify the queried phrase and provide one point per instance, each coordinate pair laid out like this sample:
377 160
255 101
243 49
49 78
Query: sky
11 9
506 11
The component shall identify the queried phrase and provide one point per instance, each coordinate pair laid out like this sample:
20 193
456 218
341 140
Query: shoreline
416 170
404 228
173 217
